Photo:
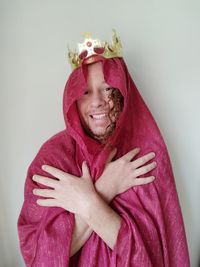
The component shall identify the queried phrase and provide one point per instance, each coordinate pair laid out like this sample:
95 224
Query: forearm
104 221
82 230
81 233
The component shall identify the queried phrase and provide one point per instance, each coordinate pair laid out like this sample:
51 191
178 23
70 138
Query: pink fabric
152 230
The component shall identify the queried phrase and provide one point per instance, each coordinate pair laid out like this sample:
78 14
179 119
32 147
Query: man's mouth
99 116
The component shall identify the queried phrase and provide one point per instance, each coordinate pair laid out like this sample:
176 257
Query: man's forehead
101 84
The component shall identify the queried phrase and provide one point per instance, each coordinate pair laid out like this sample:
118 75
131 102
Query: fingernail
44 167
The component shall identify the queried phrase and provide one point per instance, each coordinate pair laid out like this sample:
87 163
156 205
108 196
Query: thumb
85 170
111 155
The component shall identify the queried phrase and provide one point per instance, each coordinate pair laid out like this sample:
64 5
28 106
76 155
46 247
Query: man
95 202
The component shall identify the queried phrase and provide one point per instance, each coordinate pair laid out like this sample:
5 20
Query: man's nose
97 100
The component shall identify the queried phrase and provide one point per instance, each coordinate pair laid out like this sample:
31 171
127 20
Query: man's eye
108 88
86 92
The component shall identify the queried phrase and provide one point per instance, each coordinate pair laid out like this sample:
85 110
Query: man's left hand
69 192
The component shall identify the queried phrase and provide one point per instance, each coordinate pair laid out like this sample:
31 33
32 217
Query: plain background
161 41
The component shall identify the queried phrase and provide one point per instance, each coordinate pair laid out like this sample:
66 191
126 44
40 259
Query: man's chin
102 134
98 135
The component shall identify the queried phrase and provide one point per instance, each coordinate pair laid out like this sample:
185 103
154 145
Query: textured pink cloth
152 230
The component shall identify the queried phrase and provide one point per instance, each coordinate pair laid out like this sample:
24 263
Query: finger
44 192
131 154
111 155
54 171
145 169
47 202
85 170
142 160
144 180
45 181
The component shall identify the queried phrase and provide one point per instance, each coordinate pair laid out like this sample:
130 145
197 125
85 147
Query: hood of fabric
75 88
135 126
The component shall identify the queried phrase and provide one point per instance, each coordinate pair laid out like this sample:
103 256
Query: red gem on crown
89 44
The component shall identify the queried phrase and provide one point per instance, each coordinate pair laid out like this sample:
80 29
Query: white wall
161 41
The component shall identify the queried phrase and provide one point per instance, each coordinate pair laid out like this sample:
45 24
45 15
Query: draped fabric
152 230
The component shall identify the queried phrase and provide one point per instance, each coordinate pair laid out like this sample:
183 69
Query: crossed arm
70 192
105 222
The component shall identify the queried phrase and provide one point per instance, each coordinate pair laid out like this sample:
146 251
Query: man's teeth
99 116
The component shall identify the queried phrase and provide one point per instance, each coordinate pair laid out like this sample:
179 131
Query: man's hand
122 174
69 192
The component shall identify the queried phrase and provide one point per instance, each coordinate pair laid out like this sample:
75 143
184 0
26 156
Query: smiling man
100 106
94 195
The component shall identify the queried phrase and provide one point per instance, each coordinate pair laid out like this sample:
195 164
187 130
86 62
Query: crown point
87 35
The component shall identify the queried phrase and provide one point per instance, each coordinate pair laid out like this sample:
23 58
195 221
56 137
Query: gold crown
92 50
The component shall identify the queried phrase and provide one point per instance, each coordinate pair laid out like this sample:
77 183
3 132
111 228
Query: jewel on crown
92 50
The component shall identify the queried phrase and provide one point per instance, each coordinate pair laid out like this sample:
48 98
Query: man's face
95 105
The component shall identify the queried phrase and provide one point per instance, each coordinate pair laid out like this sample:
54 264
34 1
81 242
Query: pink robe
152 230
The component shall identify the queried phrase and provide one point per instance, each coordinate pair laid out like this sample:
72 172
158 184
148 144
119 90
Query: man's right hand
122 174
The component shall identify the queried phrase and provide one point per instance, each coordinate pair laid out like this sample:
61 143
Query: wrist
93 206
107 192
86 203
